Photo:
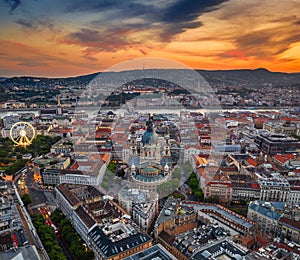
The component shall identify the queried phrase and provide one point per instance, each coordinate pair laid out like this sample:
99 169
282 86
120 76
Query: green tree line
40 145
68 233
194 185
48 238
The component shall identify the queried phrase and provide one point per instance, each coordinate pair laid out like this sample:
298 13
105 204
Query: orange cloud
222 35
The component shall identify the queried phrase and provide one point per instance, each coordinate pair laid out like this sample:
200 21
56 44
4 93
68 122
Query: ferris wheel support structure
22 133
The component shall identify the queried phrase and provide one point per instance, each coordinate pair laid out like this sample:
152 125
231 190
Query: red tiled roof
255 185
251 161
105 157
290 222
248 240
206 156
200 171
61 130
264 240
192 146
291 119
96 157
74 166
284 157
119 129
103 130
281 245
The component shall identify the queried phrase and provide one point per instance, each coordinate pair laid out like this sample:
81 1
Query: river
92 111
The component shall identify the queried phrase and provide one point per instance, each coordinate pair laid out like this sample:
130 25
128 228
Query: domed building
150 160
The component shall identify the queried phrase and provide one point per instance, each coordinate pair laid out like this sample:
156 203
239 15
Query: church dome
150 137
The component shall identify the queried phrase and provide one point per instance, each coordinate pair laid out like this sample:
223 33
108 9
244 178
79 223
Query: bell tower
58 107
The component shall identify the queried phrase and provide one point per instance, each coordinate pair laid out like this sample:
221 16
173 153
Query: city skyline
40 38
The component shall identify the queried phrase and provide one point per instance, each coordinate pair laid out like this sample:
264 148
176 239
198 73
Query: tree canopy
194 185
48 238
26 198
68 233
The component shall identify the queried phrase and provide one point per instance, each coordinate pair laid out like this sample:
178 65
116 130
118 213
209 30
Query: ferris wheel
22 133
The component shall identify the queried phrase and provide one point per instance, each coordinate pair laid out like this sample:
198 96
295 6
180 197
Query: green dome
150 137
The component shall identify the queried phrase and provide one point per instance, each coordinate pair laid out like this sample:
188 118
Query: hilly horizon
198 70
240 77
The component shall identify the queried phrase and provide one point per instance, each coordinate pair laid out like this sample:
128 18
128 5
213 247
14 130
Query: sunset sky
75 37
